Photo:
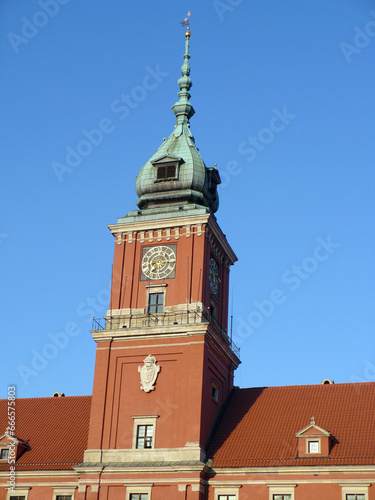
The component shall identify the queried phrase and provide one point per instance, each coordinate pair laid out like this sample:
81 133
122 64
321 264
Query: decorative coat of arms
149 372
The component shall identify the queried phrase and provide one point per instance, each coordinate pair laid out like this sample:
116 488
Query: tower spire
183 108
176 176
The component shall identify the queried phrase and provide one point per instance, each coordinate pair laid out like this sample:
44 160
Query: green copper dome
176 173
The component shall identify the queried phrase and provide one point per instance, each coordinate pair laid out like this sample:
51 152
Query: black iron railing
186 317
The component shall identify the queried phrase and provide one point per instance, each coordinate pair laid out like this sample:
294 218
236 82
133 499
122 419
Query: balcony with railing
150 320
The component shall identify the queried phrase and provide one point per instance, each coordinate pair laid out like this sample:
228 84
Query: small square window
165 172
144 436
313 447
4 454
156 302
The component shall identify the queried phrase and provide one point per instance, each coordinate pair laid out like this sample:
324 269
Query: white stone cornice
175 227
159 224
137 456
293 470
163 331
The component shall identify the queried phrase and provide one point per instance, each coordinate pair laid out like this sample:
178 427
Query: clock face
158 262
214 276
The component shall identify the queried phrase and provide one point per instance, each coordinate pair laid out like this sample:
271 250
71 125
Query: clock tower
165 362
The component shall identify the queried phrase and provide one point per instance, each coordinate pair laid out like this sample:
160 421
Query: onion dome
176 174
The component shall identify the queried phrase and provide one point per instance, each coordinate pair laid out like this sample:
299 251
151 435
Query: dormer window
166 172
11 447
313 447
313 441
167 168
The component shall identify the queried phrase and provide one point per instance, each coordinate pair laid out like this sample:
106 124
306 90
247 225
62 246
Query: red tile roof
259 425
258 428
55 428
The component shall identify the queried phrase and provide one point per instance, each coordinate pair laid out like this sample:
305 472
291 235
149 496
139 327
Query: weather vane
185 22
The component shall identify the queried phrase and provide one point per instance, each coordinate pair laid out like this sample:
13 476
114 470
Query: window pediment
11 447
312 430
167 159
313 441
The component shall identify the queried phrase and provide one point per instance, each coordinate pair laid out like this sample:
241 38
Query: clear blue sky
292 186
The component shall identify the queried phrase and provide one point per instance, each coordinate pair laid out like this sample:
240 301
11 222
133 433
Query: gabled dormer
166 168
176 176
11 447
313 441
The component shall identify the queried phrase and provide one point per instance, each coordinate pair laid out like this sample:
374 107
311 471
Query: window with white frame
156 302
144 431
354 491
155 298
313 446
63 494
138 492
18 494
281 491
145 434
4 453
227 492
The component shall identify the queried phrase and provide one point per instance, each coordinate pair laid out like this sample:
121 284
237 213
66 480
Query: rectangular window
138 496
282 497
355 497
214 392
4 454
17 498
64 497
313 447
144 436
155 302
227 497
166 172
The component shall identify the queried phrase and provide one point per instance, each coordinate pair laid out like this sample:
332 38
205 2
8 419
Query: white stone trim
138 488
135 455
18 491
197 487
313 440
155 288
281 489
227 490
144 420
355 488
175 223
63 491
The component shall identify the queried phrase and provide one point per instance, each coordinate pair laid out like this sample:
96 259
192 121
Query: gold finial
188 34
215 164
